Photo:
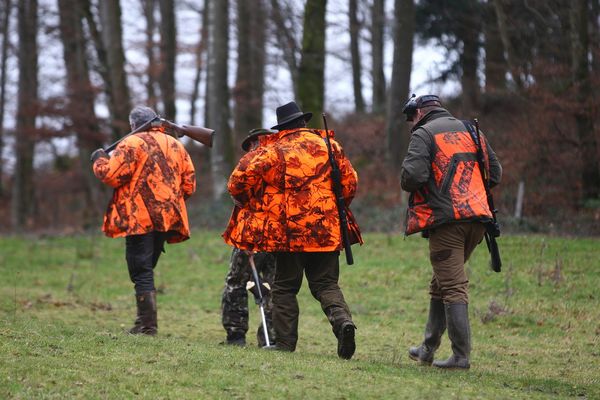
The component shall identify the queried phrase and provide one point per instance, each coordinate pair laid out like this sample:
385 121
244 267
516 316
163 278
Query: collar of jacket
292 131
436 113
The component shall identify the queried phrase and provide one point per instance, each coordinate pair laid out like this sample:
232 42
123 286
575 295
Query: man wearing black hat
295 217
448 204
234 302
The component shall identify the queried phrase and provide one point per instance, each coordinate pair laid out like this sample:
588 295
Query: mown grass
65 304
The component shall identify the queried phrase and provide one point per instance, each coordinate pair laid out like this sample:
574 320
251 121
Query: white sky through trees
427 61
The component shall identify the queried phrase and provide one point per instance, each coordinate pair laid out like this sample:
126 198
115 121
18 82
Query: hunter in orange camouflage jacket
284 195
152 175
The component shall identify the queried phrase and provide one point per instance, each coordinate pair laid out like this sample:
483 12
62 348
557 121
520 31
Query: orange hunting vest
455 190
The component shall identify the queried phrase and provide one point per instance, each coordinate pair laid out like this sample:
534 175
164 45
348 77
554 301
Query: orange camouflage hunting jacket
152 175
284 198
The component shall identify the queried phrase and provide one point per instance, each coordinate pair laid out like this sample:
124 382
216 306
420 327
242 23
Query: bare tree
377 42
112 37
404 32
148 7
355 27
27 110
282 16
217 97
110 65
7 5
580 46
249 86
311 88
495 64
168 53
80 94
200 57
595 36
509 50
467 33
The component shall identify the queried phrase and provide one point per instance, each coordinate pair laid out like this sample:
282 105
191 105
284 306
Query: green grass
65 304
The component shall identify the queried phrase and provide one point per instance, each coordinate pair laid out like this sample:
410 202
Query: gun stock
198 133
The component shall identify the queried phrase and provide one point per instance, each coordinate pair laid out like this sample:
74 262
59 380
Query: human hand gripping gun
197 133
257 287
492 229
336 184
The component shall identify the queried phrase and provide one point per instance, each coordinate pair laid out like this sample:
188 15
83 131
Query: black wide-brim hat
253 135
290 112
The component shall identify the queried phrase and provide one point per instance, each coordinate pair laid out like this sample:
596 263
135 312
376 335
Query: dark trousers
322 272
450 246
142 253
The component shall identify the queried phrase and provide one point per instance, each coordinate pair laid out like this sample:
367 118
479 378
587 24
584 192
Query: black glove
97 154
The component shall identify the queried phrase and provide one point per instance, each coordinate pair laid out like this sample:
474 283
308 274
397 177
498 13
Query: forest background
71 70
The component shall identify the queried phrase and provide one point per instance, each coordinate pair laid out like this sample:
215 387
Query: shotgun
492 228
197 133
336 184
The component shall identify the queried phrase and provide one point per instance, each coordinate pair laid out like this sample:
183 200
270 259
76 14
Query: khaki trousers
450 246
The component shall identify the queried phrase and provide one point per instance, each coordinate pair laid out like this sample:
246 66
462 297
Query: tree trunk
200 57
377 42
595 36
249 86
359 102
3 59
469 57
495 65
217 97
285 25
581 80
80 94
397 129
168 52
112 35
27 109
506 43
311 88
103 67
149 6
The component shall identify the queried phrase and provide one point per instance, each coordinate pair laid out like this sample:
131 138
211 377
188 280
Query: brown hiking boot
146 322
346 343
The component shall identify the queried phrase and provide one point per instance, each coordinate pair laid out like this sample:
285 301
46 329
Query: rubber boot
146 322
435 328
459 332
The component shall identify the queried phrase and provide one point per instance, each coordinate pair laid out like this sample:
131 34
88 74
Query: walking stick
259 299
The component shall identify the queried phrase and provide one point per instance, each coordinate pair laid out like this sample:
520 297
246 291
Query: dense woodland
528 69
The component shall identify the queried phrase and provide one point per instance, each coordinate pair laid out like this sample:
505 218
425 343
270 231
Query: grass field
65 304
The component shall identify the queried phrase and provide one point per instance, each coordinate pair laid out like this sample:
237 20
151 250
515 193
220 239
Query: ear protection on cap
410 108
414 103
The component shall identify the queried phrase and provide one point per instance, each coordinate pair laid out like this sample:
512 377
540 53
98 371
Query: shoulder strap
480 154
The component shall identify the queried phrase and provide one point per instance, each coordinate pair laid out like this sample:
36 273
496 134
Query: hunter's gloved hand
97 154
